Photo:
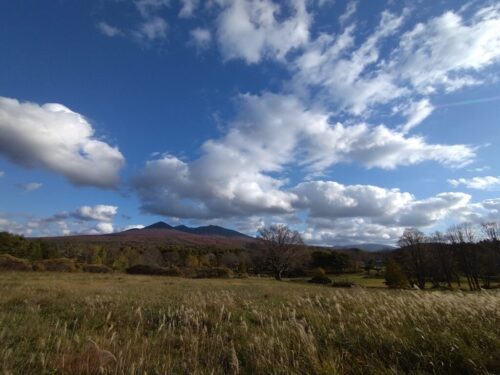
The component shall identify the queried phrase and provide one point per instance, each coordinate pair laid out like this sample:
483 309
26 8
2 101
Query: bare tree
463 238
490 256
491 231
412 241
280 249
442 265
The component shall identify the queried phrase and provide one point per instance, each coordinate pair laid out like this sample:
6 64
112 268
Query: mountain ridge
206 230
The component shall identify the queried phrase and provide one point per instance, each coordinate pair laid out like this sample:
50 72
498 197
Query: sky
346 120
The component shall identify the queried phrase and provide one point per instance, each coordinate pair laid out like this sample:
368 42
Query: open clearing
54 323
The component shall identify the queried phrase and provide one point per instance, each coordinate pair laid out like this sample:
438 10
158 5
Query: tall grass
121 324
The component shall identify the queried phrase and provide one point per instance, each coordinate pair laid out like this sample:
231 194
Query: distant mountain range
367 247
161 233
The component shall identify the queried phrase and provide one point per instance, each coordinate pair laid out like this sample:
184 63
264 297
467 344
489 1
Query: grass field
54 323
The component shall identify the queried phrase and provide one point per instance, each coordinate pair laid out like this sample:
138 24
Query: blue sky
347 120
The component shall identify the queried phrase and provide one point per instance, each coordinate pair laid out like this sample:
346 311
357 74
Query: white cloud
480 183
100 212
147 8
103 228
244 172
350 231
253 30
352 77
109 30
133 226
201 38
52 137
329 199
486 211
31 186
444 53
416 112
2 173
339 214
349 12
151 29
188 8
83 220
7 225
429 211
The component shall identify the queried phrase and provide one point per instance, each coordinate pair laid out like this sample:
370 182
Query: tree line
465 253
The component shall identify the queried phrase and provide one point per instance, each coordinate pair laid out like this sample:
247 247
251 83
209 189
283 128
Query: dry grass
54 323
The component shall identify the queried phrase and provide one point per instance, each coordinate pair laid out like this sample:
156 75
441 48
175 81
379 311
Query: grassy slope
249 326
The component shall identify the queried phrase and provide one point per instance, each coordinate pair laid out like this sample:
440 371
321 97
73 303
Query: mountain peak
159 225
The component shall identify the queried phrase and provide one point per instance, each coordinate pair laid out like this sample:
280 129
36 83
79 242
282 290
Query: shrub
394 275
96 268
144 269
320 277
10 263
214 272
342 284
57 265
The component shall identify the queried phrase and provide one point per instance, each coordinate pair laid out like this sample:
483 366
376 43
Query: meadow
75 323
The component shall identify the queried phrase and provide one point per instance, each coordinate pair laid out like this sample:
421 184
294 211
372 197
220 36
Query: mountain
367 247
211 230
161 234
159 225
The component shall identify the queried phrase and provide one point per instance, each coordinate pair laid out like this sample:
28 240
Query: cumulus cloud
429 211
83 220
350 231
253 30
103 228
362 213
100 212
109 30
332 200
201 38
52 137
241 173
480 183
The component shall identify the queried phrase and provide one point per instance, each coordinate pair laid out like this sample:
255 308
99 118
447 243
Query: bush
96 268
144 269
342 284
394 275
10 263
320 277
215 272
57 265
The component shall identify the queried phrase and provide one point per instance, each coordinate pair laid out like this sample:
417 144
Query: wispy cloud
31 186
480 183
109 30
